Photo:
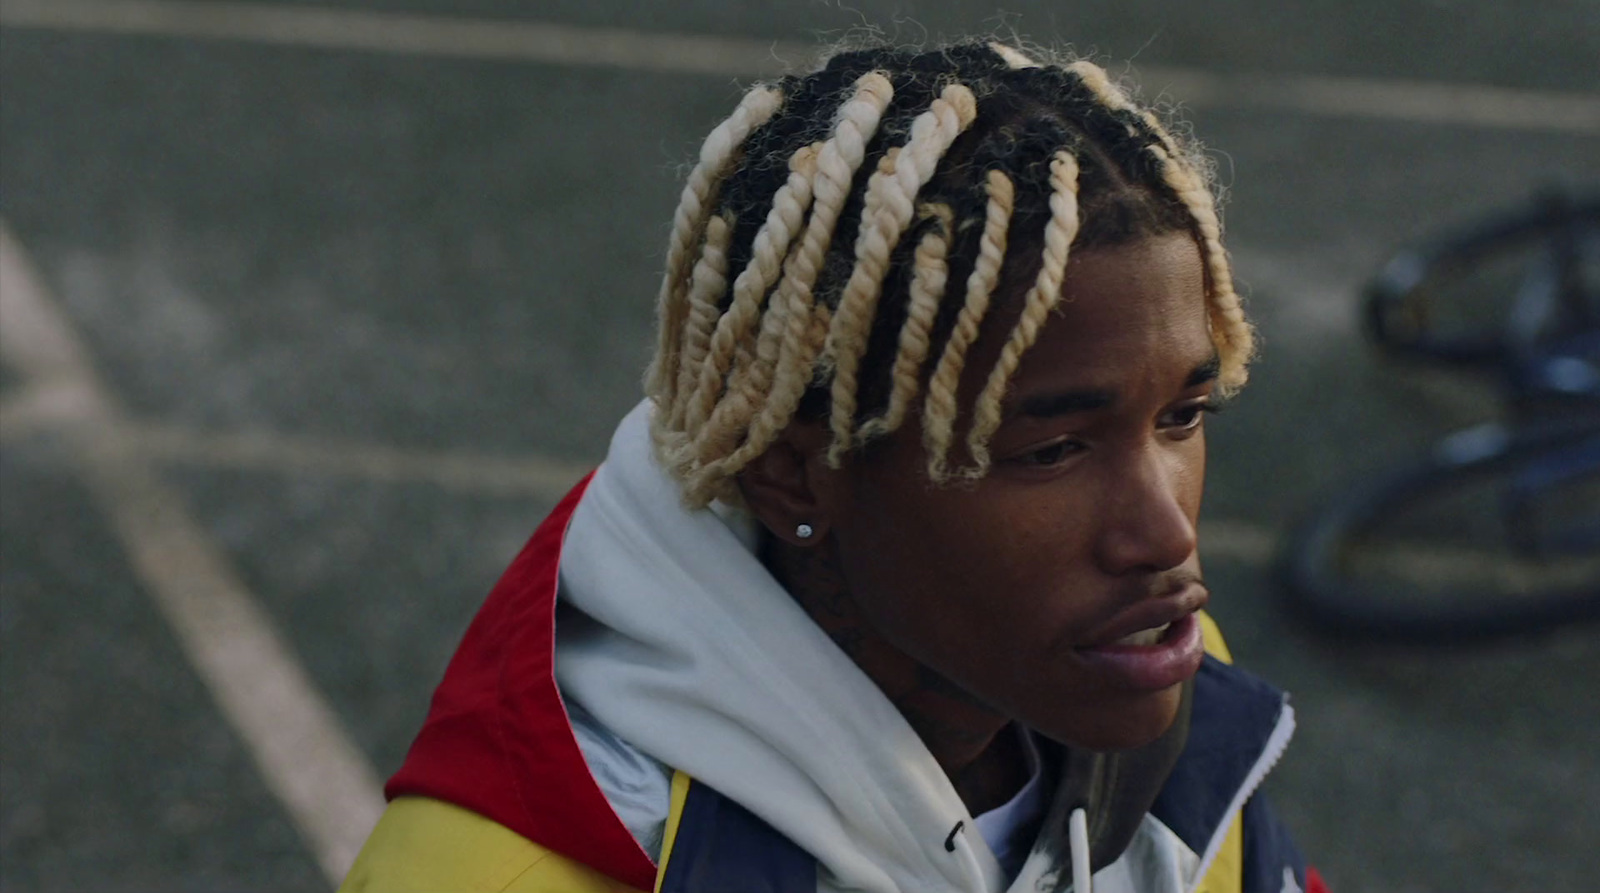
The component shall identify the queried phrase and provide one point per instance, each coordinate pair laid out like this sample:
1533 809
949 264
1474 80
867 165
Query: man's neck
995 776
964 735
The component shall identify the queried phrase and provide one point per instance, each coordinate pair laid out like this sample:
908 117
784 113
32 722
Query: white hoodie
691 652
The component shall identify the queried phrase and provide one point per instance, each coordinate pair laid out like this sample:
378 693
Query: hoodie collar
693 653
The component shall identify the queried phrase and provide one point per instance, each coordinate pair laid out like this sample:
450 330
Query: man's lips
1176 657
1149 613
1165 648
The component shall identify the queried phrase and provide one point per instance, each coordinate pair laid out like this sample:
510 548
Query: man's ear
790 487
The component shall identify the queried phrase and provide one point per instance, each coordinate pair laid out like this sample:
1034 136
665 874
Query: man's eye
1186 418
1053 454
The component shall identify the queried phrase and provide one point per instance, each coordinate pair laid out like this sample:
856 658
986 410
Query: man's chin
1121 723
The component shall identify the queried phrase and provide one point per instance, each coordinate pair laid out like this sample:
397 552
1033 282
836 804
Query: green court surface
360 313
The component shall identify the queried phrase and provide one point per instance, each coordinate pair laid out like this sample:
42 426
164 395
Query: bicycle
1497 530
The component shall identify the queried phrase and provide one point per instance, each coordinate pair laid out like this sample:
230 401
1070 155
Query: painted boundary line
40 408
556 44
1418 102
45 408
412 34
324 781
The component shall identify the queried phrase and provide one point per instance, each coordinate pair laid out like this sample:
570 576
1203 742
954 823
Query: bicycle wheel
1478 295
1494 534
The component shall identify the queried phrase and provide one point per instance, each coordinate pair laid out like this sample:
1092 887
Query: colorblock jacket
783 768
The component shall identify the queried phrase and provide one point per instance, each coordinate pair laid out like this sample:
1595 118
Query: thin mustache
1170 583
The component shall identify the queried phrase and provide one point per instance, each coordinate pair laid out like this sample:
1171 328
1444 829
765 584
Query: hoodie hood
691 651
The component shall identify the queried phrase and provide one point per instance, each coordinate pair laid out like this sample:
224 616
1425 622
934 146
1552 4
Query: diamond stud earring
804 531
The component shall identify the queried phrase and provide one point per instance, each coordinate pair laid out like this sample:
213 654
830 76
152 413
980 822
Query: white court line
449 469
306 760
555 44
44 405
39 408
43 409
414 34
1420 102
456 471
1240 541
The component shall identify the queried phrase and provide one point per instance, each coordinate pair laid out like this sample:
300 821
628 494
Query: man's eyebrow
1205 372
1060 403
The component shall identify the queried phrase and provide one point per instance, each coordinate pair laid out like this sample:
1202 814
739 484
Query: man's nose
1148 525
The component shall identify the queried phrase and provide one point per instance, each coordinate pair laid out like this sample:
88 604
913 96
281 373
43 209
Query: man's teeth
1145 636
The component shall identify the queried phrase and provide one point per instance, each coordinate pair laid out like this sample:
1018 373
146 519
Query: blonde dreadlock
844 305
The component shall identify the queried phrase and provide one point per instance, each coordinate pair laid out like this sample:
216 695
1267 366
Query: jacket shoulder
422 845
1211 634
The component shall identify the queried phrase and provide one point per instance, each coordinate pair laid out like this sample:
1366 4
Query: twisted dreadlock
875 210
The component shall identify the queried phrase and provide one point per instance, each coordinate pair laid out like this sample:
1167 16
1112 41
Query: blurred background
312 310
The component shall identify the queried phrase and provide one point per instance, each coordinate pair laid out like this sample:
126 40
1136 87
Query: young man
892 582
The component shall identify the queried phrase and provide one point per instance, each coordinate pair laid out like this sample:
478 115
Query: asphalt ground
350 318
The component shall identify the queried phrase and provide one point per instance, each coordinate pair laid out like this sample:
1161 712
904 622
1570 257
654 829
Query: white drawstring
1078 838
957 843
1078 834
